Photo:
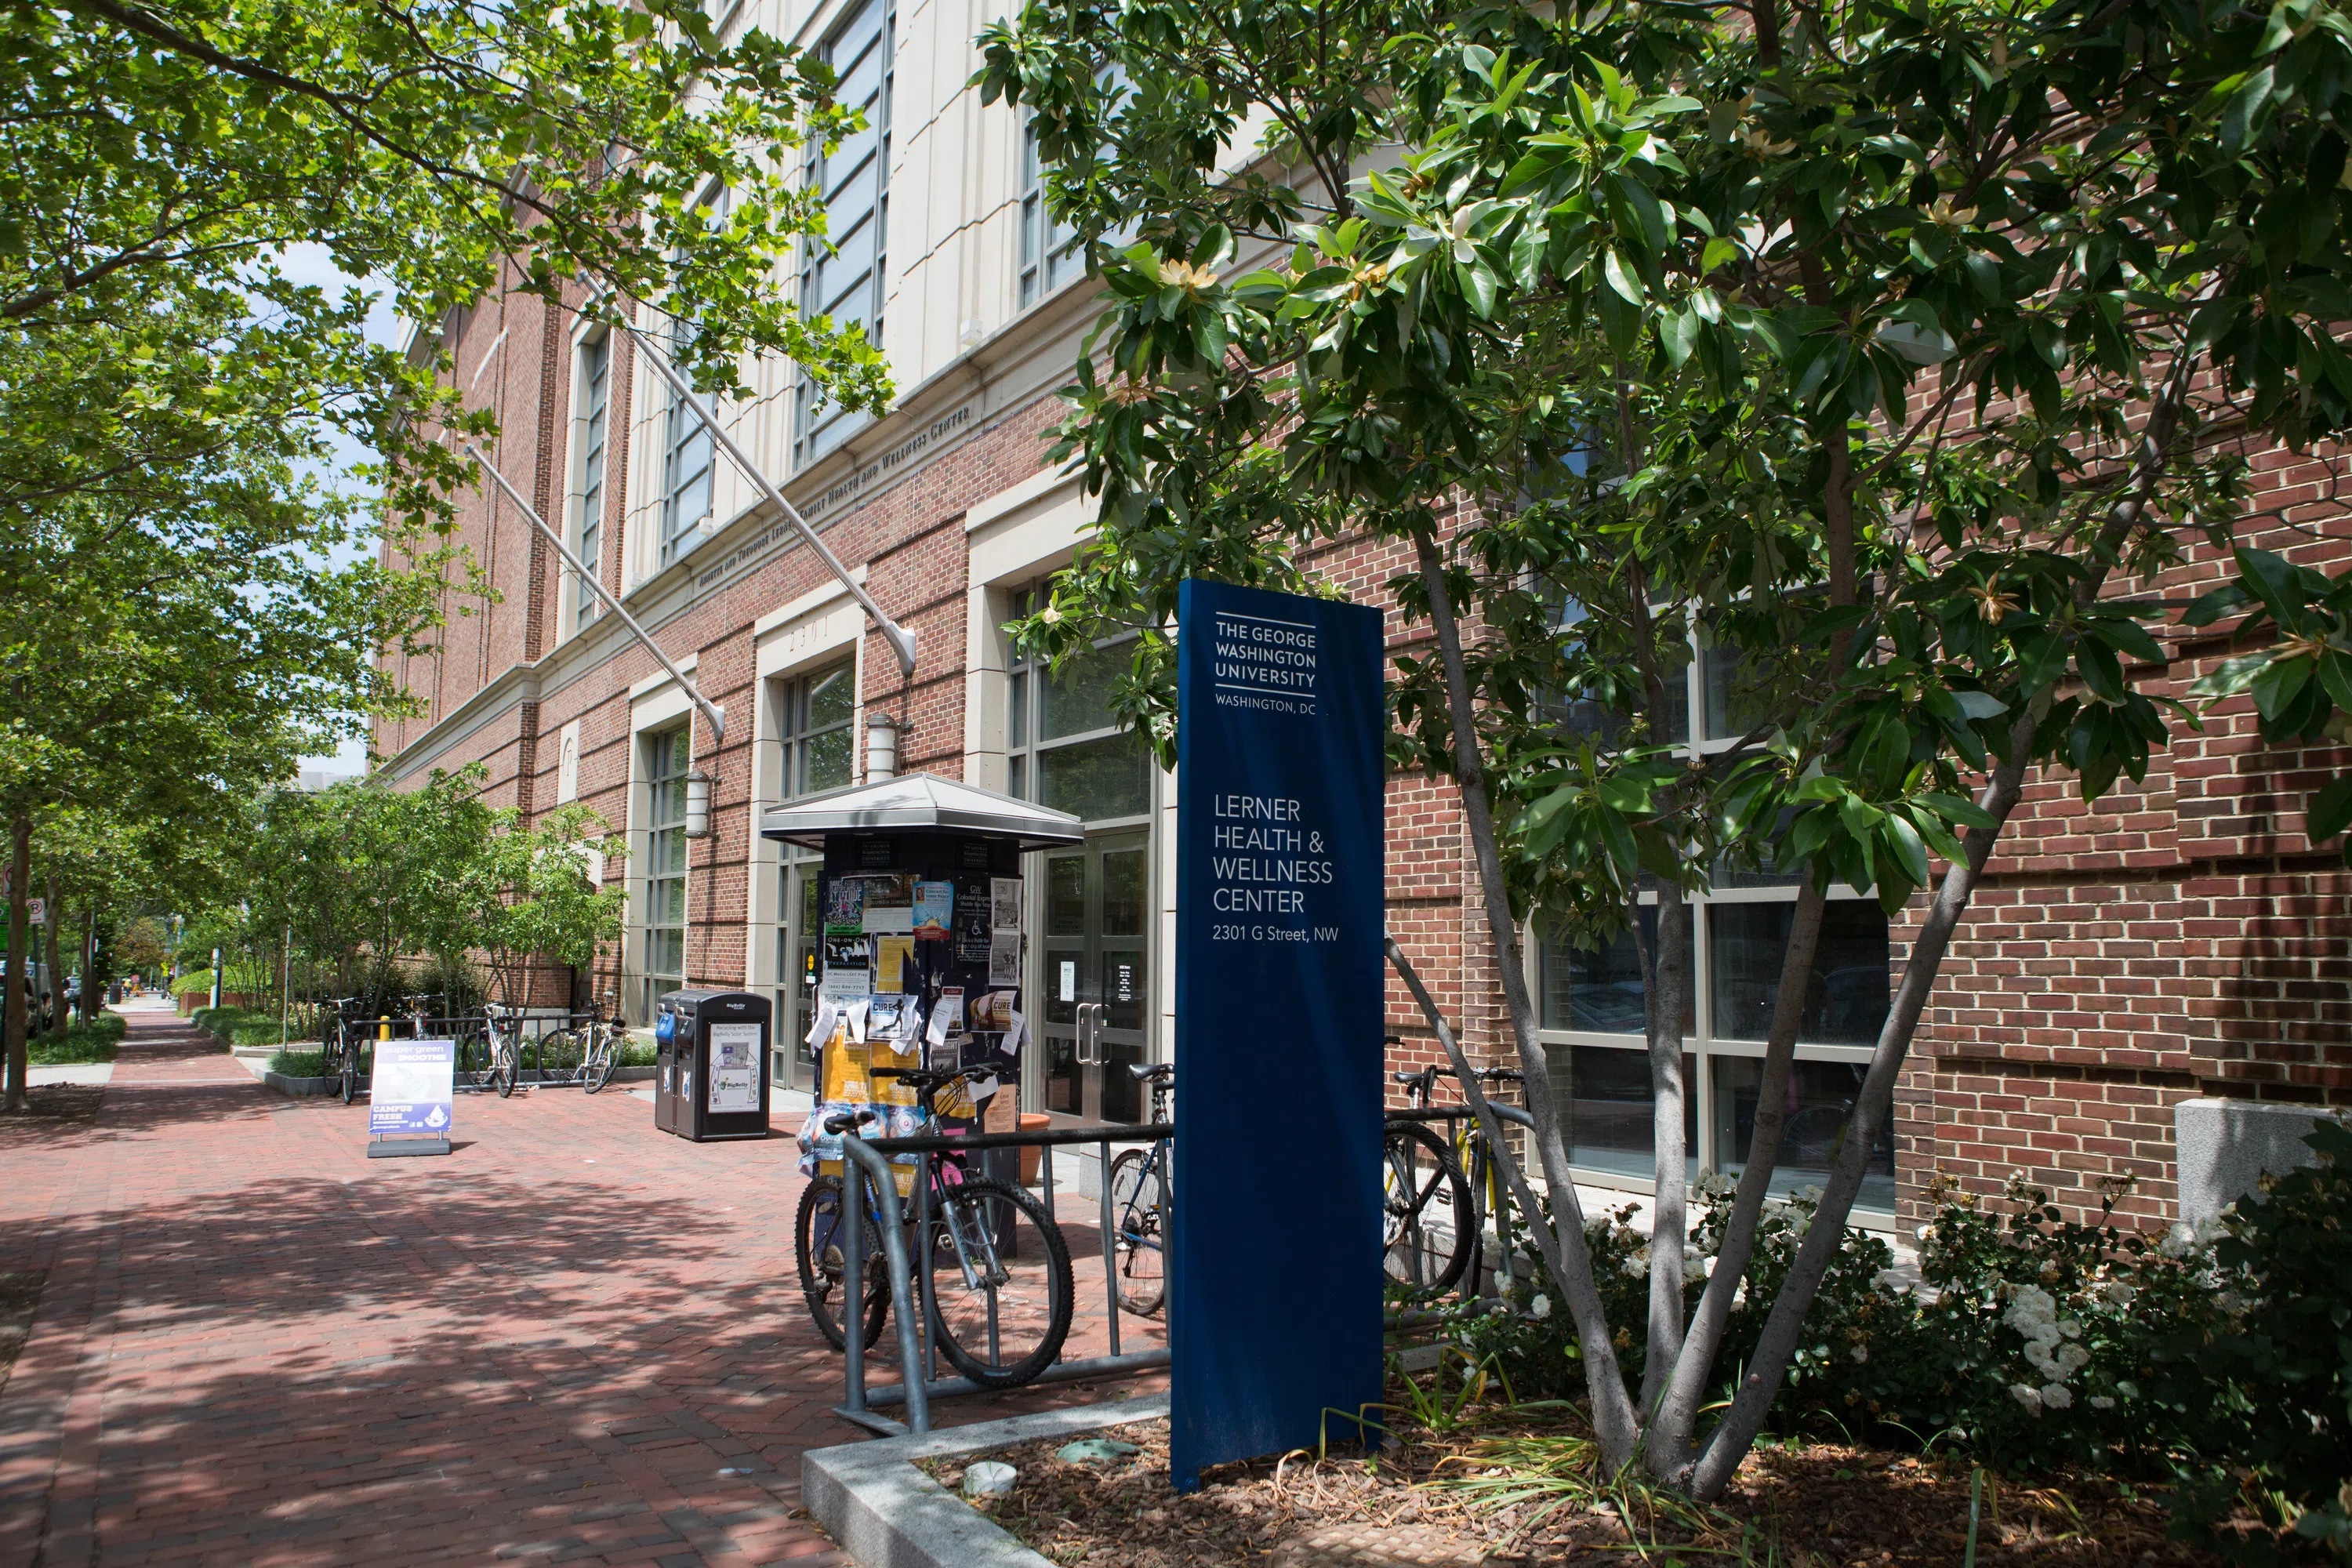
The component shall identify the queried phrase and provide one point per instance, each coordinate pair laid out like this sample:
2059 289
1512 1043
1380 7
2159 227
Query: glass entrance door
790 1066
1094 955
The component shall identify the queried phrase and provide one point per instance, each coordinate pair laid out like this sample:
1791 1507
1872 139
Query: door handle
1090 1015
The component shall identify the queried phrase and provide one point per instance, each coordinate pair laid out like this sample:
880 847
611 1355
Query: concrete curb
299 1086
885 1513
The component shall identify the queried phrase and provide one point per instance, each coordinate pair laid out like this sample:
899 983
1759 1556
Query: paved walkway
574 1340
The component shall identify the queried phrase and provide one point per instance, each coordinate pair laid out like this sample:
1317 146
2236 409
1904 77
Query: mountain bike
1436 1226
997 1291
1138 1204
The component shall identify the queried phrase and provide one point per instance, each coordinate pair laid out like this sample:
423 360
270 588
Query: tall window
845 281
686 450
814 717
1591 1001
665 875
588 481
1063 748
1051 251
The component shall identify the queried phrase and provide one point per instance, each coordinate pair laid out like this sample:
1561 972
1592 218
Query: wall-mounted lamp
697 803
881 747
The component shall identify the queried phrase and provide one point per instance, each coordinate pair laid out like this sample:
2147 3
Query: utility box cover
2224 1146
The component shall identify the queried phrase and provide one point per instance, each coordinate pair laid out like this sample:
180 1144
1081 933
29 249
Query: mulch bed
1809 1505
75 1102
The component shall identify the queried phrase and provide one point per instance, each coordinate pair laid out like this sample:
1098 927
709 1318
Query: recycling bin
665 1073
718 1042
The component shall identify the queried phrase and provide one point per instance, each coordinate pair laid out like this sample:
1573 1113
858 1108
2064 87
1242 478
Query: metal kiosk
713 1085
941 862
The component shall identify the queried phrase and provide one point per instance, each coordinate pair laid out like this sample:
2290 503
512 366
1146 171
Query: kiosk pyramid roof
918 802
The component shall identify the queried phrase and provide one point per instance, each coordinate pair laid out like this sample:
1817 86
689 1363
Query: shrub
191 984
300 1064
2218 1355
241 1026
94 1041
2266 1379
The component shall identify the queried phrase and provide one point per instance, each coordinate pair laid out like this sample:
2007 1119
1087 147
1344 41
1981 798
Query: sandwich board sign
412 1098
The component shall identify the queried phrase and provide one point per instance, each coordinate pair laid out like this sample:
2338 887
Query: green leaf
1620 279
1980 706
2278 683
1678 330
1820 628
2101 670
2330 811
1626 792
1906 851
1953 808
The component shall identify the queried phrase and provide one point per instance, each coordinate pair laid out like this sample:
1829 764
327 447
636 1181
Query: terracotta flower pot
1032 1121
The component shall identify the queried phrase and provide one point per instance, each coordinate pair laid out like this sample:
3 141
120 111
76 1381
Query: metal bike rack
1477 1284
469 1030
919 1384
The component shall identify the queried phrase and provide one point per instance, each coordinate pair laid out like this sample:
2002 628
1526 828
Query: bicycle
1138 1202
999 1302
597 1043
1437 1230
504 1028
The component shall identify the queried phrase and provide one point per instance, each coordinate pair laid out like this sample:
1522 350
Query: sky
312 264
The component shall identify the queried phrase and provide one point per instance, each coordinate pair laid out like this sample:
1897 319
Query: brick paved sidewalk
574 1340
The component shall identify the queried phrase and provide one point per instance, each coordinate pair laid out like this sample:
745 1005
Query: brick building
2181 940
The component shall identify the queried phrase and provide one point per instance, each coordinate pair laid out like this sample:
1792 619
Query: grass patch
241 1026
83 1042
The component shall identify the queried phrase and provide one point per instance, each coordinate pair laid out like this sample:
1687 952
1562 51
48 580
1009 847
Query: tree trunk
89 964
1615 1421
1668 982
55 911
20 950
1762 1381
1677 1416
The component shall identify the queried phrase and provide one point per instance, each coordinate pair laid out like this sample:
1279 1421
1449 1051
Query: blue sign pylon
1275 1268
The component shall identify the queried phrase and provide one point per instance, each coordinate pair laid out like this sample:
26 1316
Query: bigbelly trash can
717 1045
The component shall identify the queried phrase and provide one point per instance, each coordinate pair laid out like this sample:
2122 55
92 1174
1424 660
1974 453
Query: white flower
1861 1354
1927 1233
2072 1359
1502 1281
1540 1308
1637 1263
2179 1241
2070 1327
2101 1402
2025 1393
2128 1390
2057 1396
2120 1293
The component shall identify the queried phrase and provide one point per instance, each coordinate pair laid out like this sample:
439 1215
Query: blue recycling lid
666 1027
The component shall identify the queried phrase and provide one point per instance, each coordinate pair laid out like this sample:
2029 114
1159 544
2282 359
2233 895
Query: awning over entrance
918 802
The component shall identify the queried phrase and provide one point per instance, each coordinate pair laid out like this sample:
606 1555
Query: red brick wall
2180 938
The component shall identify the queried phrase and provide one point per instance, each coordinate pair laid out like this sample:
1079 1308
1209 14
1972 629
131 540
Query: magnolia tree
1881 348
